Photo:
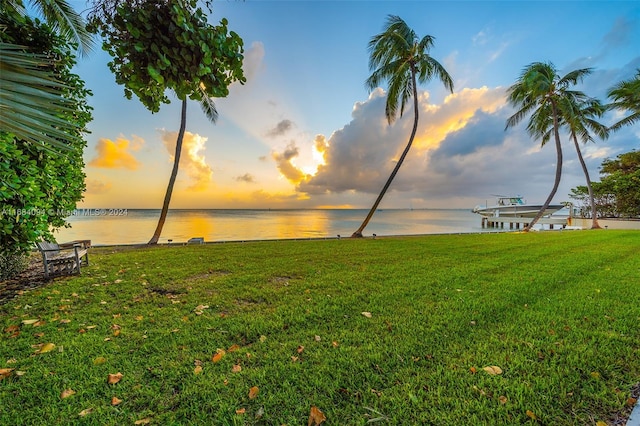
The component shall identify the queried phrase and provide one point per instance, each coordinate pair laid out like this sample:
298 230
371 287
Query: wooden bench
65 258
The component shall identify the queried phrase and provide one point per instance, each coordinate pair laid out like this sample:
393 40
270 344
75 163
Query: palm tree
581 122
626 96
541 92
209 108
397 55
30 94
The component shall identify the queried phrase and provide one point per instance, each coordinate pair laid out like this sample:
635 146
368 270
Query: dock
517 222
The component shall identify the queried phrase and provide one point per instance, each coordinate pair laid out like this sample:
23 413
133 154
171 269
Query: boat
514 206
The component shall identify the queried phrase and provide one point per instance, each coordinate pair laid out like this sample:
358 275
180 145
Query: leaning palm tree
626 96
541 92
582 122
399 57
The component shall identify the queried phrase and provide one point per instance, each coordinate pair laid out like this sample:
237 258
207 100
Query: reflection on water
137 226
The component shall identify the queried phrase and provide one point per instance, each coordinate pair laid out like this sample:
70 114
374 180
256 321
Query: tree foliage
38 187
618 192
626 97
160 45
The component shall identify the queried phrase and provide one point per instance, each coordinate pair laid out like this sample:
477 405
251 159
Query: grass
558 312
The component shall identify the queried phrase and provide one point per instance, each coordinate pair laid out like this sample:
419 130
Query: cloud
253 60
192 160
280 129
247 178
96 187
361 155
117 154
284 162
620 34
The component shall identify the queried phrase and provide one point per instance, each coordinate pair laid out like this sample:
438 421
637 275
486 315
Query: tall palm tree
582 122
398 56
30 94
541 92
626 96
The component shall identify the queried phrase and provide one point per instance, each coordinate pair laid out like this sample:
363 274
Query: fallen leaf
139 318
47 347
218 355
259 413
12 329
99 360
233 348
115 401
316 417
601 423
5 372
367 314
294 358
65 321
335 344
502 399
595 374
144 421
85 412
317 338
631 401
89 327
493 370
198 310
300 349
197 370
253 392
531 415
236 368
67 393
473 370
29 321
20 373
112 379
263 338
241 410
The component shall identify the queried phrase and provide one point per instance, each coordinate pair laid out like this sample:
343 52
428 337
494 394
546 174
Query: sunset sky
304 132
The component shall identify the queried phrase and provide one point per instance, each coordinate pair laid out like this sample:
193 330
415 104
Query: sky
305 132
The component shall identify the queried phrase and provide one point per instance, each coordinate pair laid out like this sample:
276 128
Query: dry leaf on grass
115 401
67 393
29 321
144 421
5 372
253 392
241 410
99 360
197 370
114 378
494 370
316 417
236 368
367 314
531 415
47 347
85 412
218 355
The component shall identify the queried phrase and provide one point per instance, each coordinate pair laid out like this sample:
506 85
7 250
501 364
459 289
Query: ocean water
133 226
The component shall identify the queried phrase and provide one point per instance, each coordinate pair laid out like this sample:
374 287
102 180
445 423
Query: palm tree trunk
558 170
172 179
594 215
358 233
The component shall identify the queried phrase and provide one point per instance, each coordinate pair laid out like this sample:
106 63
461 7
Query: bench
65 258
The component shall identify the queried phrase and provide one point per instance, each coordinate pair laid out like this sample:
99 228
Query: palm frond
208 106
31 99
66 21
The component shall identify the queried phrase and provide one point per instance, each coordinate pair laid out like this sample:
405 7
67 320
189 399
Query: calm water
136 226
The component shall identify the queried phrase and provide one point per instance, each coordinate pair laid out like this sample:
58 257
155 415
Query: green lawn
193 329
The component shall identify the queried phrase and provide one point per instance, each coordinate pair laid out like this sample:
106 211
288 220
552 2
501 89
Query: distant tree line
617 195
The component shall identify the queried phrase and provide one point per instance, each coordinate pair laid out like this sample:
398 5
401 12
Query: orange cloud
284 162
116 154
192 160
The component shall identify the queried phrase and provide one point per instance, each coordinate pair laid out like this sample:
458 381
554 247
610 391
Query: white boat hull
516 210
